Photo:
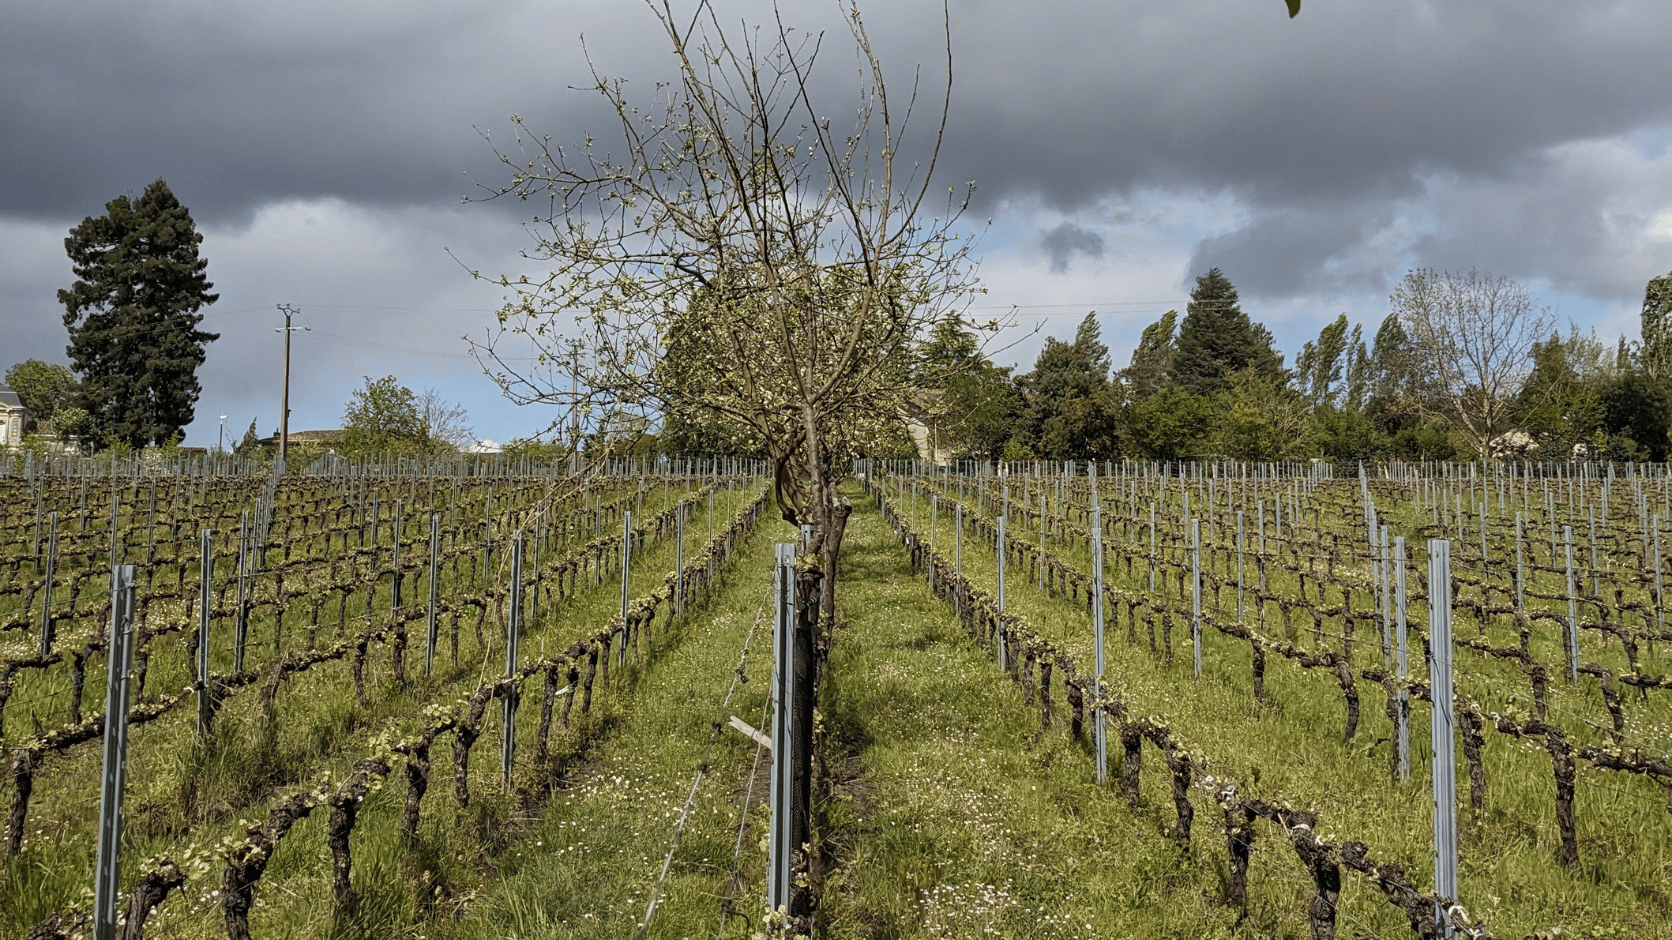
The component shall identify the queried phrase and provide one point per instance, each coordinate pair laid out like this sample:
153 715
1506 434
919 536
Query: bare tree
1473 334
447 421
734 254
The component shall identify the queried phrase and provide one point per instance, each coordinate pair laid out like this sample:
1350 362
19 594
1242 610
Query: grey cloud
1589 218
1288 252
1067 99
1067 240
1592 218
239 105
1359 101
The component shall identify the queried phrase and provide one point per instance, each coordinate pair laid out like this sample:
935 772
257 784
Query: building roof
9 399
306 437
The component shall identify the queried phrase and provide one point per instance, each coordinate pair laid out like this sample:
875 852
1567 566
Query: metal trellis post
999 640
1098 717
513 629
106 873
626 563
1572 633
1403 736
1196 595
205 611
1443 729
779 848
430 621
47 631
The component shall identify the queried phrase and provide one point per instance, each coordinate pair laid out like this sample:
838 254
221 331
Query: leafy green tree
1638 408
1062 371
1559 408
690 433
70 423
1393 362
1084 428
1318 368
1217 339
1346 436
133 317
1259 418
383 418
1430 439
45 387
1169 425
974 404
1360 370
250 444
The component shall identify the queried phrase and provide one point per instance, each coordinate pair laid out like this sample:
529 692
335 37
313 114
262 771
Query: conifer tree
133 317
1217 339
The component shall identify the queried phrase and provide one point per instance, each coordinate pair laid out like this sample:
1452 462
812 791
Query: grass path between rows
960 816
586 868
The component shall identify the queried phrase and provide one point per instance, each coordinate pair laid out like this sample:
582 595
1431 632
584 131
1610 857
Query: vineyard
300 642
1257 635
311 663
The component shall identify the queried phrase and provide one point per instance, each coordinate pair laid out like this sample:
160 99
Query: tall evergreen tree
1217 339
133 315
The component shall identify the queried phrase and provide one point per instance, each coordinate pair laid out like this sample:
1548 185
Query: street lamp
222 436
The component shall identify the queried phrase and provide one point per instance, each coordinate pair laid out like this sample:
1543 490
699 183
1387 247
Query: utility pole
284 396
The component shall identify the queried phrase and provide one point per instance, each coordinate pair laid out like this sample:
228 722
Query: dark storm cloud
1067 240
1351 99
245 103
238 105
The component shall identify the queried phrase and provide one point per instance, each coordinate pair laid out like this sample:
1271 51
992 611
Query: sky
333 155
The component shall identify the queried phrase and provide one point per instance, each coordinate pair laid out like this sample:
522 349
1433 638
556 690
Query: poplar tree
133 318
1656 351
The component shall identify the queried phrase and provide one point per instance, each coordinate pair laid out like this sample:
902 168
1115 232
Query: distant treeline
1463 366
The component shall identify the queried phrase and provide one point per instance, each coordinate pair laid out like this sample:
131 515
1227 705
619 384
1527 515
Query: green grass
587 866
961 816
